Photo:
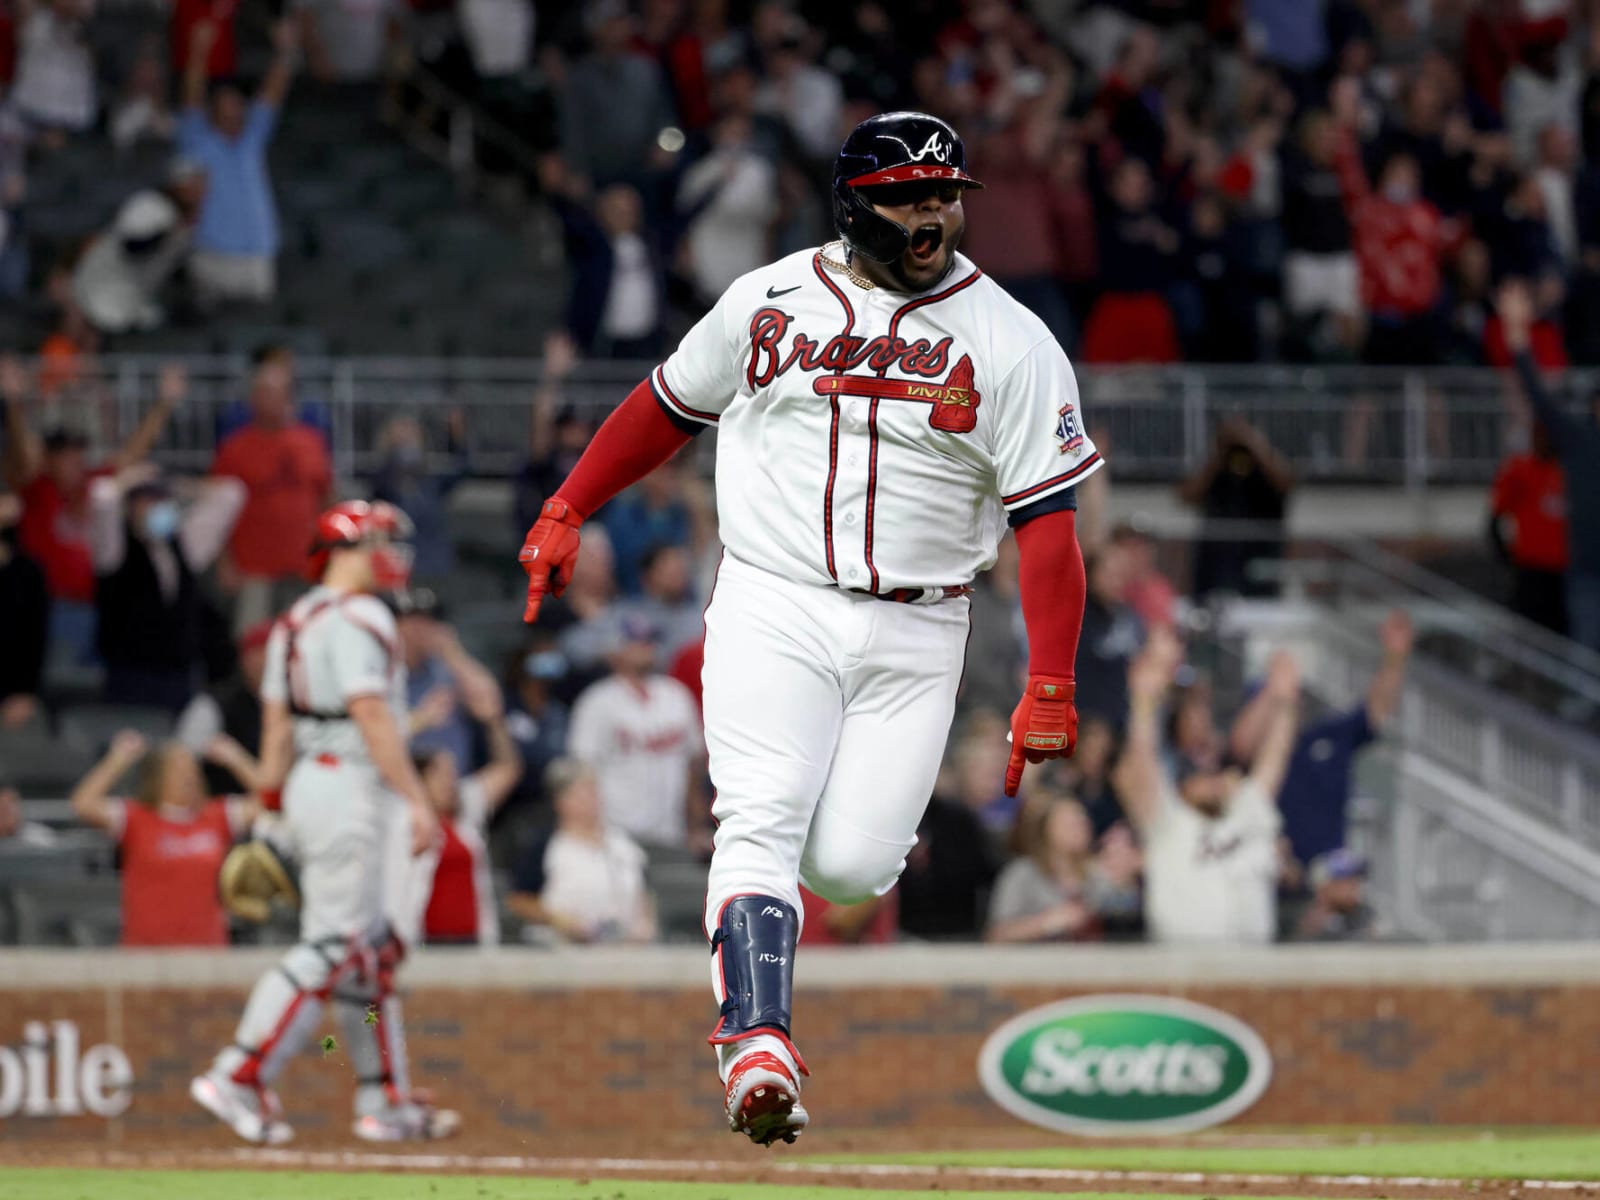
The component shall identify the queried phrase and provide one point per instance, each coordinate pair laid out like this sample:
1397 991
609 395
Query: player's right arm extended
635 439
387 749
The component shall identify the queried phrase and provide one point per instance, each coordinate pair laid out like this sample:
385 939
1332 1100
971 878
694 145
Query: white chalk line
520 1164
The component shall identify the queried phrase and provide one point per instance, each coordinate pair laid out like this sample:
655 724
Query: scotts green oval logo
1124 1065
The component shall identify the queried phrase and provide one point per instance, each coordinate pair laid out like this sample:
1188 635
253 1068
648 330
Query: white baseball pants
826 718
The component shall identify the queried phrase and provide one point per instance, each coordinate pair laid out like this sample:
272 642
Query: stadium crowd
575 760
1331 181
1328 181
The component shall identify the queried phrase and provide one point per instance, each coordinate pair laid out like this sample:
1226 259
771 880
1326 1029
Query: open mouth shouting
925 242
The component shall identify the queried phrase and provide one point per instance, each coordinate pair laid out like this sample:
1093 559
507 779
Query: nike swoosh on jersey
774 293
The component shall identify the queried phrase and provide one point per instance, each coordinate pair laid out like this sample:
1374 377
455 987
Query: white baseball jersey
1213 879
640 741
873 440
328 649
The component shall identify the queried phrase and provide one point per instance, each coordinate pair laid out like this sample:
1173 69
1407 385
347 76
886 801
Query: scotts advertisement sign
1124 1065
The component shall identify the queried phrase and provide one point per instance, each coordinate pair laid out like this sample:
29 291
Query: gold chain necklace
844 267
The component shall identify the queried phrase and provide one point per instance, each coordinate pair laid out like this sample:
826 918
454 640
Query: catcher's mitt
253 876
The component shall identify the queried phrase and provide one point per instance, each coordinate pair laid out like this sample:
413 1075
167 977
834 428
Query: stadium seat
89 728
678 882
78 912
38 764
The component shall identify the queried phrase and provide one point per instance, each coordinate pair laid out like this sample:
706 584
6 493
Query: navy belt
916 595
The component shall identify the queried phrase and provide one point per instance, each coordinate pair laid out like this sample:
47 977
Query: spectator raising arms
459 904
1577 441
1317 788
52 474
1400 241
557 435
1211 839
236 240
172 841
148 553
585 883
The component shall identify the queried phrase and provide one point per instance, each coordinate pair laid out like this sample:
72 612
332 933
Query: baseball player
333 712
885 411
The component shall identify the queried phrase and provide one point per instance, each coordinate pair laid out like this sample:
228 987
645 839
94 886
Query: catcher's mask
377 525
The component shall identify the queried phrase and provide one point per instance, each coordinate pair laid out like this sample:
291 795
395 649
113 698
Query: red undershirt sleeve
634 440
1051 580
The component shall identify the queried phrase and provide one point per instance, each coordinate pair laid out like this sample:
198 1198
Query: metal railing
1482 643
1384 426
1486 821
1457 866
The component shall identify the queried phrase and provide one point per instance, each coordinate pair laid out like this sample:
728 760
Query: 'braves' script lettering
769 357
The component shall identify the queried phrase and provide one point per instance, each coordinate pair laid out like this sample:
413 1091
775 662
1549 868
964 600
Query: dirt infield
727 1160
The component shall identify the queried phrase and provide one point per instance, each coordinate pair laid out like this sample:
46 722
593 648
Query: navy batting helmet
892 148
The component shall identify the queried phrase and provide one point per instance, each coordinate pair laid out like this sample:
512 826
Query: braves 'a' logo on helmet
938 150
879 152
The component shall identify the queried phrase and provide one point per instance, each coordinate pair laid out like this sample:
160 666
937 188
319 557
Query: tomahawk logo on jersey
858 429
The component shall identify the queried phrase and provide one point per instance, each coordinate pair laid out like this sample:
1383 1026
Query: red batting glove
1044 725
549 553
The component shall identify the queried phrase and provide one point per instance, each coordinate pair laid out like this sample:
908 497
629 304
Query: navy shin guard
754 948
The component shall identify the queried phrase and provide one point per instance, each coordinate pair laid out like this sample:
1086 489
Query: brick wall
553 1062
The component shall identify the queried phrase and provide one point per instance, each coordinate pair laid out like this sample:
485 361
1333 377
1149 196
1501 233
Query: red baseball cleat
764 1100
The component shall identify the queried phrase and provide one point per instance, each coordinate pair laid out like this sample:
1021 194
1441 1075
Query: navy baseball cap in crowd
635 628
1343 863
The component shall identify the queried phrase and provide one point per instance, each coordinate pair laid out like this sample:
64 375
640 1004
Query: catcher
332 735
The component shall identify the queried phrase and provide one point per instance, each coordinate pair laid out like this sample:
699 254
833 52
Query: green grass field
285 1185
1498 1156
1464 1155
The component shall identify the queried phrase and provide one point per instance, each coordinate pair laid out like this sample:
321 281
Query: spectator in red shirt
1530 495
288 475
1400 242
871 923
460 904
52 476
687 665
171 838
